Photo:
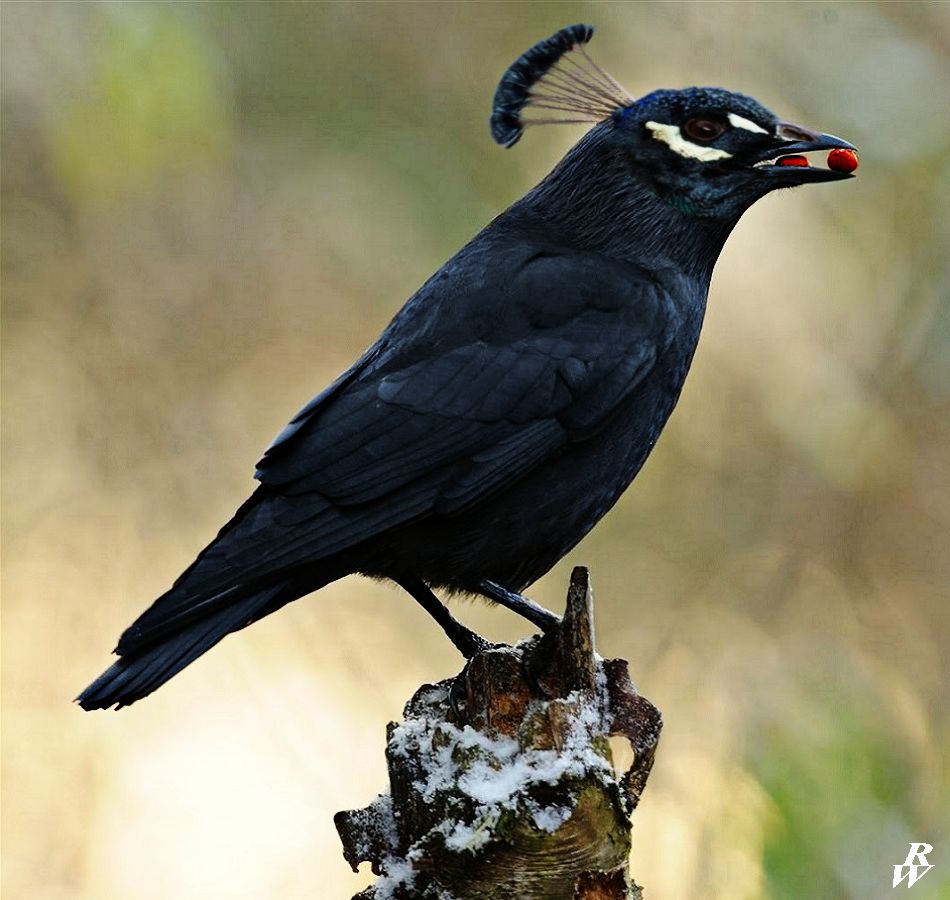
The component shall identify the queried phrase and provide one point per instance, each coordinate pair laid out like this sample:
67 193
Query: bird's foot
468 642
537 615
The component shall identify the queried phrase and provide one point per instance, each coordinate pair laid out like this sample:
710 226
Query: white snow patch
459 836
383 824
398 873
551 818
495 773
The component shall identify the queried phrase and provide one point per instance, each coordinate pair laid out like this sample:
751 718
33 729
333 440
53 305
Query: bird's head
713 152
706 151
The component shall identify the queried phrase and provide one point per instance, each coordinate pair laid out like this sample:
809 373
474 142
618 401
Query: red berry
841 160
791 161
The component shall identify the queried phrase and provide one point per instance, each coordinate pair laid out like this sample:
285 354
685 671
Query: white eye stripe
673 138
741 122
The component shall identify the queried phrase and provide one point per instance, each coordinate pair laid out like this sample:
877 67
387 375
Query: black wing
570 336
400 437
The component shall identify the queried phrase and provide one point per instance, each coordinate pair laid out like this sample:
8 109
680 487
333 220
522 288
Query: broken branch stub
502 783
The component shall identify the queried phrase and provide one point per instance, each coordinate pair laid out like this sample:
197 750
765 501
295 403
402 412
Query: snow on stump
502 783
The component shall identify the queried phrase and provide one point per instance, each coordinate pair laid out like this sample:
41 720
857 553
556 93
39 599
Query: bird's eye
703 129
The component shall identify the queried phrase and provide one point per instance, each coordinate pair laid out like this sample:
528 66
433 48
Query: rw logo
915 866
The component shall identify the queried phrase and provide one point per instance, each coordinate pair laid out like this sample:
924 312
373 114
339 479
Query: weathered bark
501 780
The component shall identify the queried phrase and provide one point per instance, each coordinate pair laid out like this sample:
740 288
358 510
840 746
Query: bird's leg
528 609
467 641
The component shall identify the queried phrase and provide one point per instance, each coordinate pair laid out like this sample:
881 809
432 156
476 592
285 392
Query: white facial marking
673 138
747 124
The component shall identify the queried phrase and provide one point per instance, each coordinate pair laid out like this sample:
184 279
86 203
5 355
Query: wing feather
412 431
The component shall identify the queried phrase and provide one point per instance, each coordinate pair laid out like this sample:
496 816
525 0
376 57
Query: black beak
792 139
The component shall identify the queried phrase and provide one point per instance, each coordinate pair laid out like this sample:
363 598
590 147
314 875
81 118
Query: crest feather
555 74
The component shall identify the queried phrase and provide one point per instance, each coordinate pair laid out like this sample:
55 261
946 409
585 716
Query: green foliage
849 790
152 98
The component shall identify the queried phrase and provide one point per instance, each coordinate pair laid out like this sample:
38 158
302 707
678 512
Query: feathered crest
555 74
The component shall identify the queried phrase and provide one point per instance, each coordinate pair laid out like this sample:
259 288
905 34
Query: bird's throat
601 205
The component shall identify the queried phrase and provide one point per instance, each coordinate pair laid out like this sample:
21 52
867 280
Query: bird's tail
145 669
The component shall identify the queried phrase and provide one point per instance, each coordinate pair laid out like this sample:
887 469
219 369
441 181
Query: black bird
511 401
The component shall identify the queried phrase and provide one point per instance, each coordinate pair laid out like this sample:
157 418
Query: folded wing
391 443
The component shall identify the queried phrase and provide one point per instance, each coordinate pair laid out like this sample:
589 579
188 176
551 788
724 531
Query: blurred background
210 209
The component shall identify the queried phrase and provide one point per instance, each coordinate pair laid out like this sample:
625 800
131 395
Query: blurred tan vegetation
210 209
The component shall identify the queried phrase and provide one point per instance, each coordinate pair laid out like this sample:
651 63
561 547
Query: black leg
467 642
528 609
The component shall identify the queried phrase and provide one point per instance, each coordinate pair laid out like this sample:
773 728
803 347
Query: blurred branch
501 779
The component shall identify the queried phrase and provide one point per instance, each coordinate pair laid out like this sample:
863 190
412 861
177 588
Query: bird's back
643 328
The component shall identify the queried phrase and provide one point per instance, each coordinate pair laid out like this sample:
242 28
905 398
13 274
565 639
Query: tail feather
135 676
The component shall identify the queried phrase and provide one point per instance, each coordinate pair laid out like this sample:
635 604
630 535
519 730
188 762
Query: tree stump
502 783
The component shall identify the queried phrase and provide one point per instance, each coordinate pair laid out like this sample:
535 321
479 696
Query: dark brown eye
703 129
